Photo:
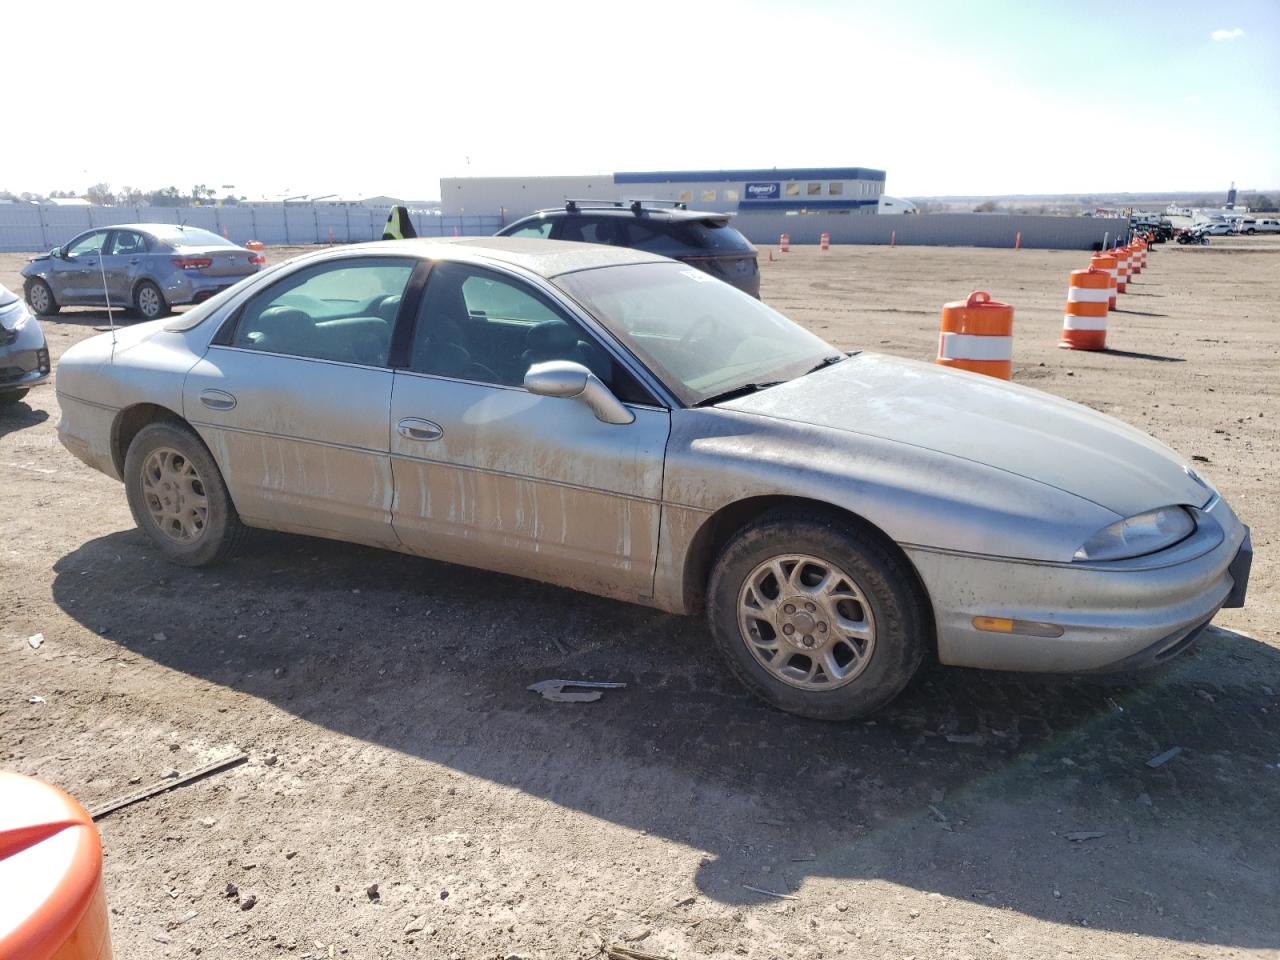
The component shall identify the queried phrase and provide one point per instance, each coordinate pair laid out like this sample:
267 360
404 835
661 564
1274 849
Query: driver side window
89 245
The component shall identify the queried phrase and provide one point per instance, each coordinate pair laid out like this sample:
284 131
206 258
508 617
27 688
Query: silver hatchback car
624 424
145 267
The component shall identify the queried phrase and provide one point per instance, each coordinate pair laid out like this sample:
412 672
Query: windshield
700 336
188 237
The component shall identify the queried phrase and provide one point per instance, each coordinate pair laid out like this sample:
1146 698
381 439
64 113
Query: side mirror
573 381
58 253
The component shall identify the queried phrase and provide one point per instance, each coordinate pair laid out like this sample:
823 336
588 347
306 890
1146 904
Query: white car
1215 228
1252 226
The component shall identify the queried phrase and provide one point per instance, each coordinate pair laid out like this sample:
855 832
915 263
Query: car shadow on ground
20 415
970 785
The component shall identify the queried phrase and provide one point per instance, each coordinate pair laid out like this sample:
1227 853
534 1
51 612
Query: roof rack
640 203
574 204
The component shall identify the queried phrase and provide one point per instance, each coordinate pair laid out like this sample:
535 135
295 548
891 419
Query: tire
873 586
183 531
148 302
11 397
1251 232
39 292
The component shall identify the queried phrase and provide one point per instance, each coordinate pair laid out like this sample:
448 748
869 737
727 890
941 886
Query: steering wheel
707 320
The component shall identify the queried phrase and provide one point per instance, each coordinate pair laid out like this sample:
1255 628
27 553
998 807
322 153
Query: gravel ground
381 700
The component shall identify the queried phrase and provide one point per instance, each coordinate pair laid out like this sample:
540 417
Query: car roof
546 258
653 213
150 227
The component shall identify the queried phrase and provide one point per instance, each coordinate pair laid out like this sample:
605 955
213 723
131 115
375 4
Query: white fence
39 227
938 229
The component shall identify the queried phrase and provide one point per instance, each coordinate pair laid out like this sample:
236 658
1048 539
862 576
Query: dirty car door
490 475
293 397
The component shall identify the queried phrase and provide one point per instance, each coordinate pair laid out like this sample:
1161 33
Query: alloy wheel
38 296
149 302
175 495
806 621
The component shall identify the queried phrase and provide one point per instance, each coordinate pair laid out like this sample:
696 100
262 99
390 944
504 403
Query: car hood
1002 425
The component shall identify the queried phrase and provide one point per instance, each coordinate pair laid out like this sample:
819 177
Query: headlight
1140 535
14 317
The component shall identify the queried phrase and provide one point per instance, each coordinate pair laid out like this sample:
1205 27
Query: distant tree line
102 195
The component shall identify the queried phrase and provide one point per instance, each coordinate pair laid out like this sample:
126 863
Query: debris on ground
1078 836
557 691
169 781
248 902
417 925
1160 759
372 893
619 952
35 640
769 893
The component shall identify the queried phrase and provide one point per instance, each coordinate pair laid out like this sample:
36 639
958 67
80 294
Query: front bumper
24 358
1112 615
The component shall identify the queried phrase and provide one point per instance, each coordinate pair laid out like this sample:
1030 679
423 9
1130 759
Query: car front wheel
40 298
149 301
177 496
816 615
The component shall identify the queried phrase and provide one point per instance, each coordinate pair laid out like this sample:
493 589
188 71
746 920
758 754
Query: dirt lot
381 699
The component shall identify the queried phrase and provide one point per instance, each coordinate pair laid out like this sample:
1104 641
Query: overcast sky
283 98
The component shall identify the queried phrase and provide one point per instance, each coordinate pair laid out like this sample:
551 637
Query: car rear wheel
817 616
40 298
149 302
178 498
13 396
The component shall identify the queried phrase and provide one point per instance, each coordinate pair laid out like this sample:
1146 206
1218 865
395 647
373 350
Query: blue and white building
787 190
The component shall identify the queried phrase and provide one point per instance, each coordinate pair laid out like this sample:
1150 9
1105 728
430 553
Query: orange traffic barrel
784 243
1105 261
977 335
1122 267
824 241
52 906
254 245
1135 257
1084 326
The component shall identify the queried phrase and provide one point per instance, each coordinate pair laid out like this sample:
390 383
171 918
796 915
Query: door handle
134 260
217 399
415 429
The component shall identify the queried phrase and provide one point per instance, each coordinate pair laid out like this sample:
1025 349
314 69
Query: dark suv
699 238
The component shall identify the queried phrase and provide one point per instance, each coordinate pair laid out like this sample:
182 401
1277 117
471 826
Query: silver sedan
622 424
144 267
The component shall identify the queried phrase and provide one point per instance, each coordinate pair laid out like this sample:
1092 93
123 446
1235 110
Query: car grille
10 373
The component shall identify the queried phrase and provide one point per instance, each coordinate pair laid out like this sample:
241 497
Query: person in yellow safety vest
399 226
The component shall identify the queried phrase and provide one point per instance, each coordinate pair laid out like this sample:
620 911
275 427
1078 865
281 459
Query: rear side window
343 310
607 230
713 237
538 230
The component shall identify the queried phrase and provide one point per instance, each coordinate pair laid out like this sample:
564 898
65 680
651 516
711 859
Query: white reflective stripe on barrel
1070 322
1088 294
968 346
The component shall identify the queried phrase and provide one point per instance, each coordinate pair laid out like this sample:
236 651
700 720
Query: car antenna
111 317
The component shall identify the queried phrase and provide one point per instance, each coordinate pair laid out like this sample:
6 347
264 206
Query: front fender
917 497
